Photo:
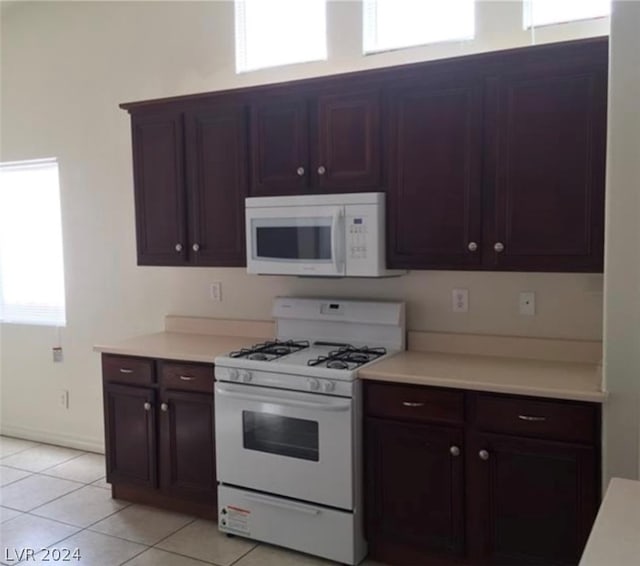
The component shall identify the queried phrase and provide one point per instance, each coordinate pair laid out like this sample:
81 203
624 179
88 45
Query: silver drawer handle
472 246
164 407
484 455
126 370
147 406
532 419
410 404
454 451
187 378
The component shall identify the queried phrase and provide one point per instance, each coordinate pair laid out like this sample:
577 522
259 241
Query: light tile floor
57 499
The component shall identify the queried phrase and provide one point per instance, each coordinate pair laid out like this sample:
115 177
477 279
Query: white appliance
333 235
288 425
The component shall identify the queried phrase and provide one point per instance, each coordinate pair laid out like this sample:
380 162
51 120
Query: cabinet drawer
127 369
414 402
557 420
186 377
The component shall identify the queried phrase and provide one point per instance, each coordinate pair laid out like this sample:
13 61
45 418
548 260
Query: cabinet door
434 195
218 184
415 490
529 501
187 446
159 189
546 164
129 414
349 144
279 147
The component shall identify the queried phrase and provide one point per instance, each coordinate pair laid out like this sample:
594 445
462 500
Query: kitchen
110 298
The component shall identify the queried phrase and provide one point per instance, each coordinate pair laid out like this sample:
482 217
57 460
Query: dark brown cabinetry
217 179
545 164
130 435
330 143
493 161
160 197
160 445
477 478
530 501
501 167
190 174
435 205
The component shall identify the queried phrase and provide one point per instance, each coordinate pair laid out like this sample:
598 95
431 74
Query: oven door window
285 436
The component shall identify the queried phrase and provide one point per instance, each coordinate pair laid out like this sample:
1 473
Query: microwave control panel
357 237
364 240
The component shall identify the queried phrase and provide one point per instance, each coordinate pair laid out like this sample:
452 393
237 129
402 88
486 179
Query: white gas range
288 425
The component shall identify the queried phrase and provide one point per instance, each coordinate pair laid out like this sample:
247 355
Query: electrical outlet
63 398
57 353
216 291
527 303
460 300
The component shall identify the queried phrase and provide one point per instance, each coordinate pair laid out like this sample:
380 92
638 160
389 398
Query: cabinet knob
164 407
321 170
195 247
472 247
498 247
454 451
300 171
178 247
147 406
484 455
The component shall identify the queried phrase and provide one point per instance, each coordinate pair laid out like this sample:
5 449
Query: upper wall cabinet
545 164
499 163
494 161
190 175
434 199
216 150
329 143
160 197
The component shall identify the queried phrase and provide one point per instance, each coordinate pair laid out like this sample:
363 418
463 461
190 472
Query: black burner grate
346 354
271 349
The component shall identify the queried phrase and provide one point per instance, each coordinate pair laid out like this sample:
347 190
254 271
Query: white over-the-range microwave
337 235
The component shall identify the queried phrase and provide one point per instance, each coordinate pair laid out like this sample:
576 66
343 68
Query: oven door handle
343 405
283 504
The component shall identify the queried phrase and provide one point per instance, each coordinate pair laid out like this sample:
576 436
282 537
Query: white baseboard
68 440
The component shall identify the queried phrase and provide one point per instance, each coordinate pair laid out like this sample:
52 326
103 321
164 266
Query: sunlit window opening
270 33
546 12
31 260
394 24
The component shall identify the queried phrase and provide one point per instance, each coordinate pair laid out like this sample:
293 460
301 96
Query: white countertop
178 346
540 378
615 537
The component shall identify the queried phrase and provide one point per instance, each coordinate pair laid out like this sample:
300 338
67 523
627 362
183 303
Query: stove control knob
246 376
234 375
328 386
313 384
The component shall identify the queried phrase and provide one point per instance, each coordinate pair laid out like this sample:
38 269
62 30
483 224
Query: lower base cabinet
159 428
510 484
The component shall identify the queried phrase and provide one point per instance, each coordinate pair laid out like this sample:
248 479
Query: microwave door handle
332 406
335 250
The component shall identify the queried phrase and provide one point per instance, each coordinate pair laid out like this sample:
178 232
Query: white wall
622 254
66 66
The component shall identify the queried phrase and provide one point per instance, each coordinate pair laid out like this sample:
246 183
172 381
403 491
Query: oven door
289 443
295 240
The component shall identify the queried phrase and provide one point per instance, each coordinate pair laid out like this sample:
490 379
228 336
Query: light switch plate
527 303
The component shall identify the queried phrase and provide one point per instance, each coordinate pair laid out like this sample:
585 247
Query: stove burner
346 354
257 356
270 350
